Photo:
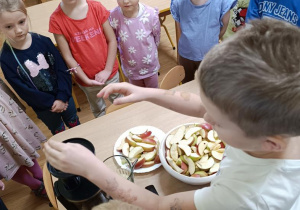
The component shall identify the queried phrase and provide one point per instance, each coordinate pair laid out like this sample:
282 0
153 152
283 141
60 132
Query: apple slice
119 148
145 134
139 163
201 147
214 168
183 159
139 130
125 149
189 141
178 135
195 157
149 156
217 155
157 159
203 133
148 164
146 147
174 152
210 136
216 147
206 126
207 164
191 131
174 166
201 173
149 141
204 158
194 149
168 140
184 167
199 139
187 149
191 165
136 138
178 162
130 141
135 152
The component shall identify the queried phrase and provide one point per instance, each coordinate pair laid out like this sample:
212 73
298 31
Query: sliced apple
174 166
174 152
206 126
194 149
125 149
183 159
187 149
135 152
206 151
214 168
204 158
210 136
168 140
191 165
195 140
195 156
203 133
157 159
221 150
184 167
207 164
201 173
217 155
178 162
149 141
148 164
146 147
149 156
130 148
189 141
216 147
119 148
201 147
195 175
145 134
180 152
138 130
178 135
139 163
136 138
199 139
130 141
191 131
211 145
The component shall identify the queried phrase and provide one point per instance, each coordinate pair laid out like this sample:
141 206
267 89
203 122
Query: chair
173 78
49 186
162 18
113 107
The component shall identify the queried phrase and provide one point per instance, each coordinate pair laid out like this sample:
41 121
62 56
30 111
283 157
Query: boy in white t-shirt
250 93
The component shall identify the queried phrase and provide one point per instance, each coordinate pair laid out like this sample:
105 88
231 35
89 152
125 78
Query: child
20 138
137 29
35 69
201 23
288 11
88 45
250 94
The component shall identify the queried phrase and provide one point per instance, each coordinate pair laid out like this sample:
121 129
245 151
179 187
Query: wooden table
104 131
40 14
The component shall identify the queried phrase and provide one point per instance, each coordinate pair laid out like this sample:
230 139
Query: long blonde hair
11 6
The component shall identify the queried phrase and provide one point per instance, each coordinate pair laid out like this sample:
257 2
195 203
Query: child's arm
2 185
71 62
225 21
156 28
72 158
103 75
182 102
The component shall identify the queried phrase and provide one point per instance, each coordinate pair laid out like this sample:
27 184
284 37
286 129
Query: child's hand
131 93
102 76
69 157
2 185
94 83
58 106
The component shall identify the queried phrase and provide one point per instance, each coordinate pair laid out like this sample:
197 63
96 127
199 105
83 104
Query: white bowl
175 174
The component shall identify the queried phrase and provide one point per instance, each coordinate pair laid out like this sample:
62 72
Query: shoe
38 192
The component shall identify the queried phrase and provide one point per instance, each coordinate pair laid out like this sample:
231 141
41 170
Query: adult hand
58 106
69 157
102 76
131 92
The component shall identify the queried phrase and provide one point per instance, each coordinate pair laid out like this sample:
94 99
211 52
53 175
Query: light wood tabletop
103 132
40 14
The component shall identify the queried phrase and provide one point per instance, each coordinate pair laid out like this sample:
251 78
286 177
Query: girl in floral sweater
137 29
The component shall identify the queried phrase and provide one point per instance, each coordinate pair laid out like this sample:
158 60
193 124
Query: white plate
155 131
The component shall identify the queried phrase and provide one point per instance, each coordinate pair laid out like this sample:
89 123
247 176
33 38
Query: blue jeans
56 121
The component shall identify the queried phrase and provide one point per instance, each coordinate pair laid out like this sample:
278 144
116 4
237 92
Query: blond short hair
12 6
254 78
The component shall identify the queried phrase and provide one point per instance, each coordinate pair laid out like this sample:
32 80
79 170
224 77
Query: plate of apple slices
140 144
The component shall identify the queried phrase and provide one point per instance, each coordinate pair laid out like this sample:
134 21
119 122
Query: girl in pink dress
20 139
137 29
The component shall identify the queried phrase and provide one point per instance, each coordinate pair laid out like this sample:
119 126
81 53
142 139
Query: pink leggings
151 82
23 176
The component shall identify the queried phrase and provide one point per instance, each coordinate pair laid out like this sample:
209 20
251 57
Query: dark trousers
190 67
2 205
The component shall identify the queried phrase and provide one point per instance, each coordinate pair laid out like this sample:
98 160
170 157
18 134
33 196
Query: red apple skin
206 126
184 167
145 135
222 145
139 163
157 159
195 175
149 141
